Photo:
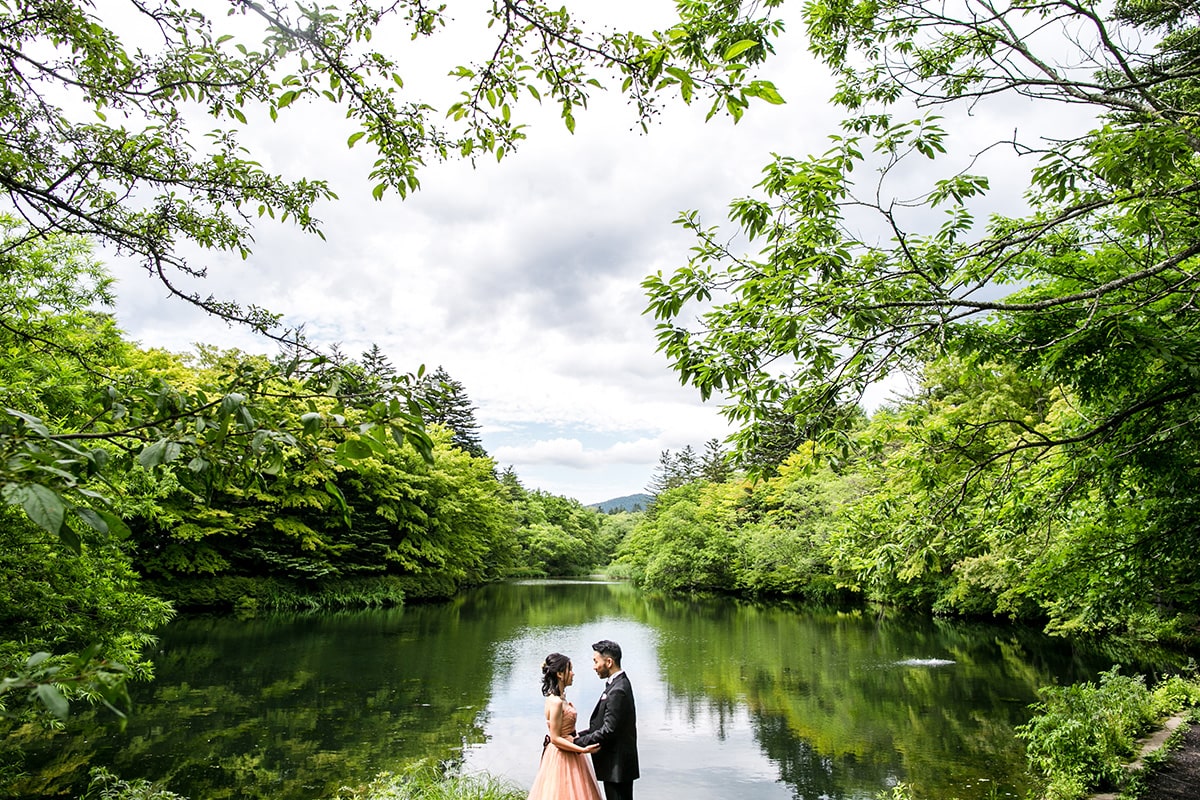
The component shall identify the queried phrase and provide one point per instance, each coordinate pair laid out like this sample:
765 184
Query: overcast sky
520 278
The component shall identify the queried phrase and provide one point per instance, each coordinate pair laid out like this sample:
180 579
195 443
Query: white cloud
521 278
573 453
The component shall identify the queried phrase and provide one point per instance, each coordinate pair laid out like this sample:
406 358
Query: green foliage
56 601
103 411
687 543
901 791
52 681
1083 734
444 402
301 537
558 536
426 781
106 786
1048 466
248 595
674 470
51 599
106 142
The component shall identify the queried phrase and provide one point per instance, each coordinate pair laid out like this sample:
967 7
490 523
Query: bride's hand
591 748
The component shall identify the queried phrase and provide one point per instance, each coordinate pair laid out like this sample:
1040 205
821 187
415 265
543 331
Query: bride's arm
554 714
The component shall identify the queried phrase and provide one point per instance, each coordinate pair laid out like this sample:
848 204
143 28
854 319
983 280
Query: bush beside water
1083 735
426 781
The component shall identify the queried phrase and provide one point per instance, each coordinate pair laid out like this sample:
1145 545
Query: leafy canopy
103 110
872 260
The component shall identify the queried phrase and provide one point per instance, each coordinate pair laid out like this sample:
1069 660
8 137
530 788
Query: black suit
614 727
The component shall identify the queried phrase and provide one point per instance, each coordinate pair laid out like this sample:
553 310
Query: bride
566 772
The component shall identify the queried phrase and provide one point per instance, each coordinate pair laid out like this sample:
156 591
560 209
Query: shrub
106 786
427 781
1082 735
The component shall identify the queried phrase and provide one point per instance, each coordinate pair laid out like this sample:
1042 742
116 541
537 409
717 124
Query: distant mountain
630 502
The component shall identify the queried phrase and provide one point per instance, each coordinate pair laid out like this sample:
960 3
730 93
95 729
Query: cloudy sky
520 278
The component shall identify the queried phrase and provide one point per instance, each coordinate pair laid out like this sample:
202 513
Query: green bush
1175 693
426 781
106 786
1082 735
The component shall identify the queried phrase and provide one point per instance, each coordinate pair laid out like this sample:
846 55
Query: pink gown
565 775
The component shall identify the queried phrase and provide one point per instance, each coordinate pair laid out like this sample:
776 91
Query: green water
735 700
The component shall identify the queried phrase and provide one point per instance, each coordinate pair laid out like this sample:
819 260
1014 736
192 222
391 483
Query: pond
734 699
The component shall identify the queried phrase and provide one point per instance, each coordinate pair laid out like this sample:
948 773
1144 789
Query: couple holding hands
611 737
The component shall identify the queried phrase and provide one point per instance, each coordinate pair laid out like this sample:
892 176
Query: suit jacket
614 727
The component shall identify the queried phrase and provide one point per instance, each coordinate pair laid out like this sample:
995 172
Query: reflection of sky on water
680 756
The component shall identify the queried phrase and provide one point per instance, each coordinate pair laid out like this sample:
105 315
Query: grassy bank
419 781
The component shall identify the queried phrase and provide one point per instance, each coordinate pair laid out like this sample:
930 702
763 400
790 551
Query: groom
613 725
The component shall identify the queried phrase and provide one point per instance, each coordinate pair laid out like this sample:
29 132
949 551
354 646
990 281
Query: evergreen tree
337 355
687 465
377 366
660 481
714 464
674 470
512 484
445 402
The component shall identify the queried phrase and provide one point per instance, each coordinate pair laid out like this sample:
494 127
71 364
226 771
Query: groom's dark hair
610 649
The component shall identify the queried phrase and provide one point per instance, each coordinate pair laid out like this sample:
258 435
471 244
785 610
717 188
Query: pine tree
687 466
512 484
660 481
674 470
445 402
714 464
377 366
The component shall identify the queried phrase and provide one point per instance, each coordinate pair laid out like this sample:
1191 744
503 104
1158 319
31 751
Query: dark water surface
735 700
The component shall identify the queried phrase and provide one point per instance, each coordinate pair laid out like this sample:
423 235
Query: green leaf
153 455
36 658
232 402
765 90
737 48
71 539
43 505
116 526
92 519
53 699
354 449
312 422
337 495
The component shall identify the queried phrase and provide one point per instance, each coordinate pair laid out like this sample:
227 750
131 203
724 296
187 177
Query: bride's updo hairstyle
554 664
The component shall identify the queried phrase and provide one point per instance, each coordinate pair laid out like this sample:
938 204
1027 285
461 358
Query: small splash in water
924 662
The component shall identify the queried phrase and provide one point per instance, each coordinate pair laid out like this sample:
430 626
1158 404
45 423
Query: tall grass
427 781
420 781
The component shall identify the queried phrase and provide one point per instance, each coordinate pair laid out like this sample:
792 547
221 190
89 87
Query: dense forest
316 511
1044 465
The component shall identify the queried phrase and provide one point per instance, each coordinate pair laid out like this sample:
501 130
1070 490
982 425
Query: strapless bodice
568 720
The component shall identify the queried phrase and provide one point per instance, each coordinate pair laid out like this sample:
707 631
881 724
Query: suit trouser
618 791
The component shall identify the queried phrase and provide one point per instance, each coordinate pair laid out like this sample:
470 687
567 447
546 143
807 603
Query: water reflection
770 702
734 699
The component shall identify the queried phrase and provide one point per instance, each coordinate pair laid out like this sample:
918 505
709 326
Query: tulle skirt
564 775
